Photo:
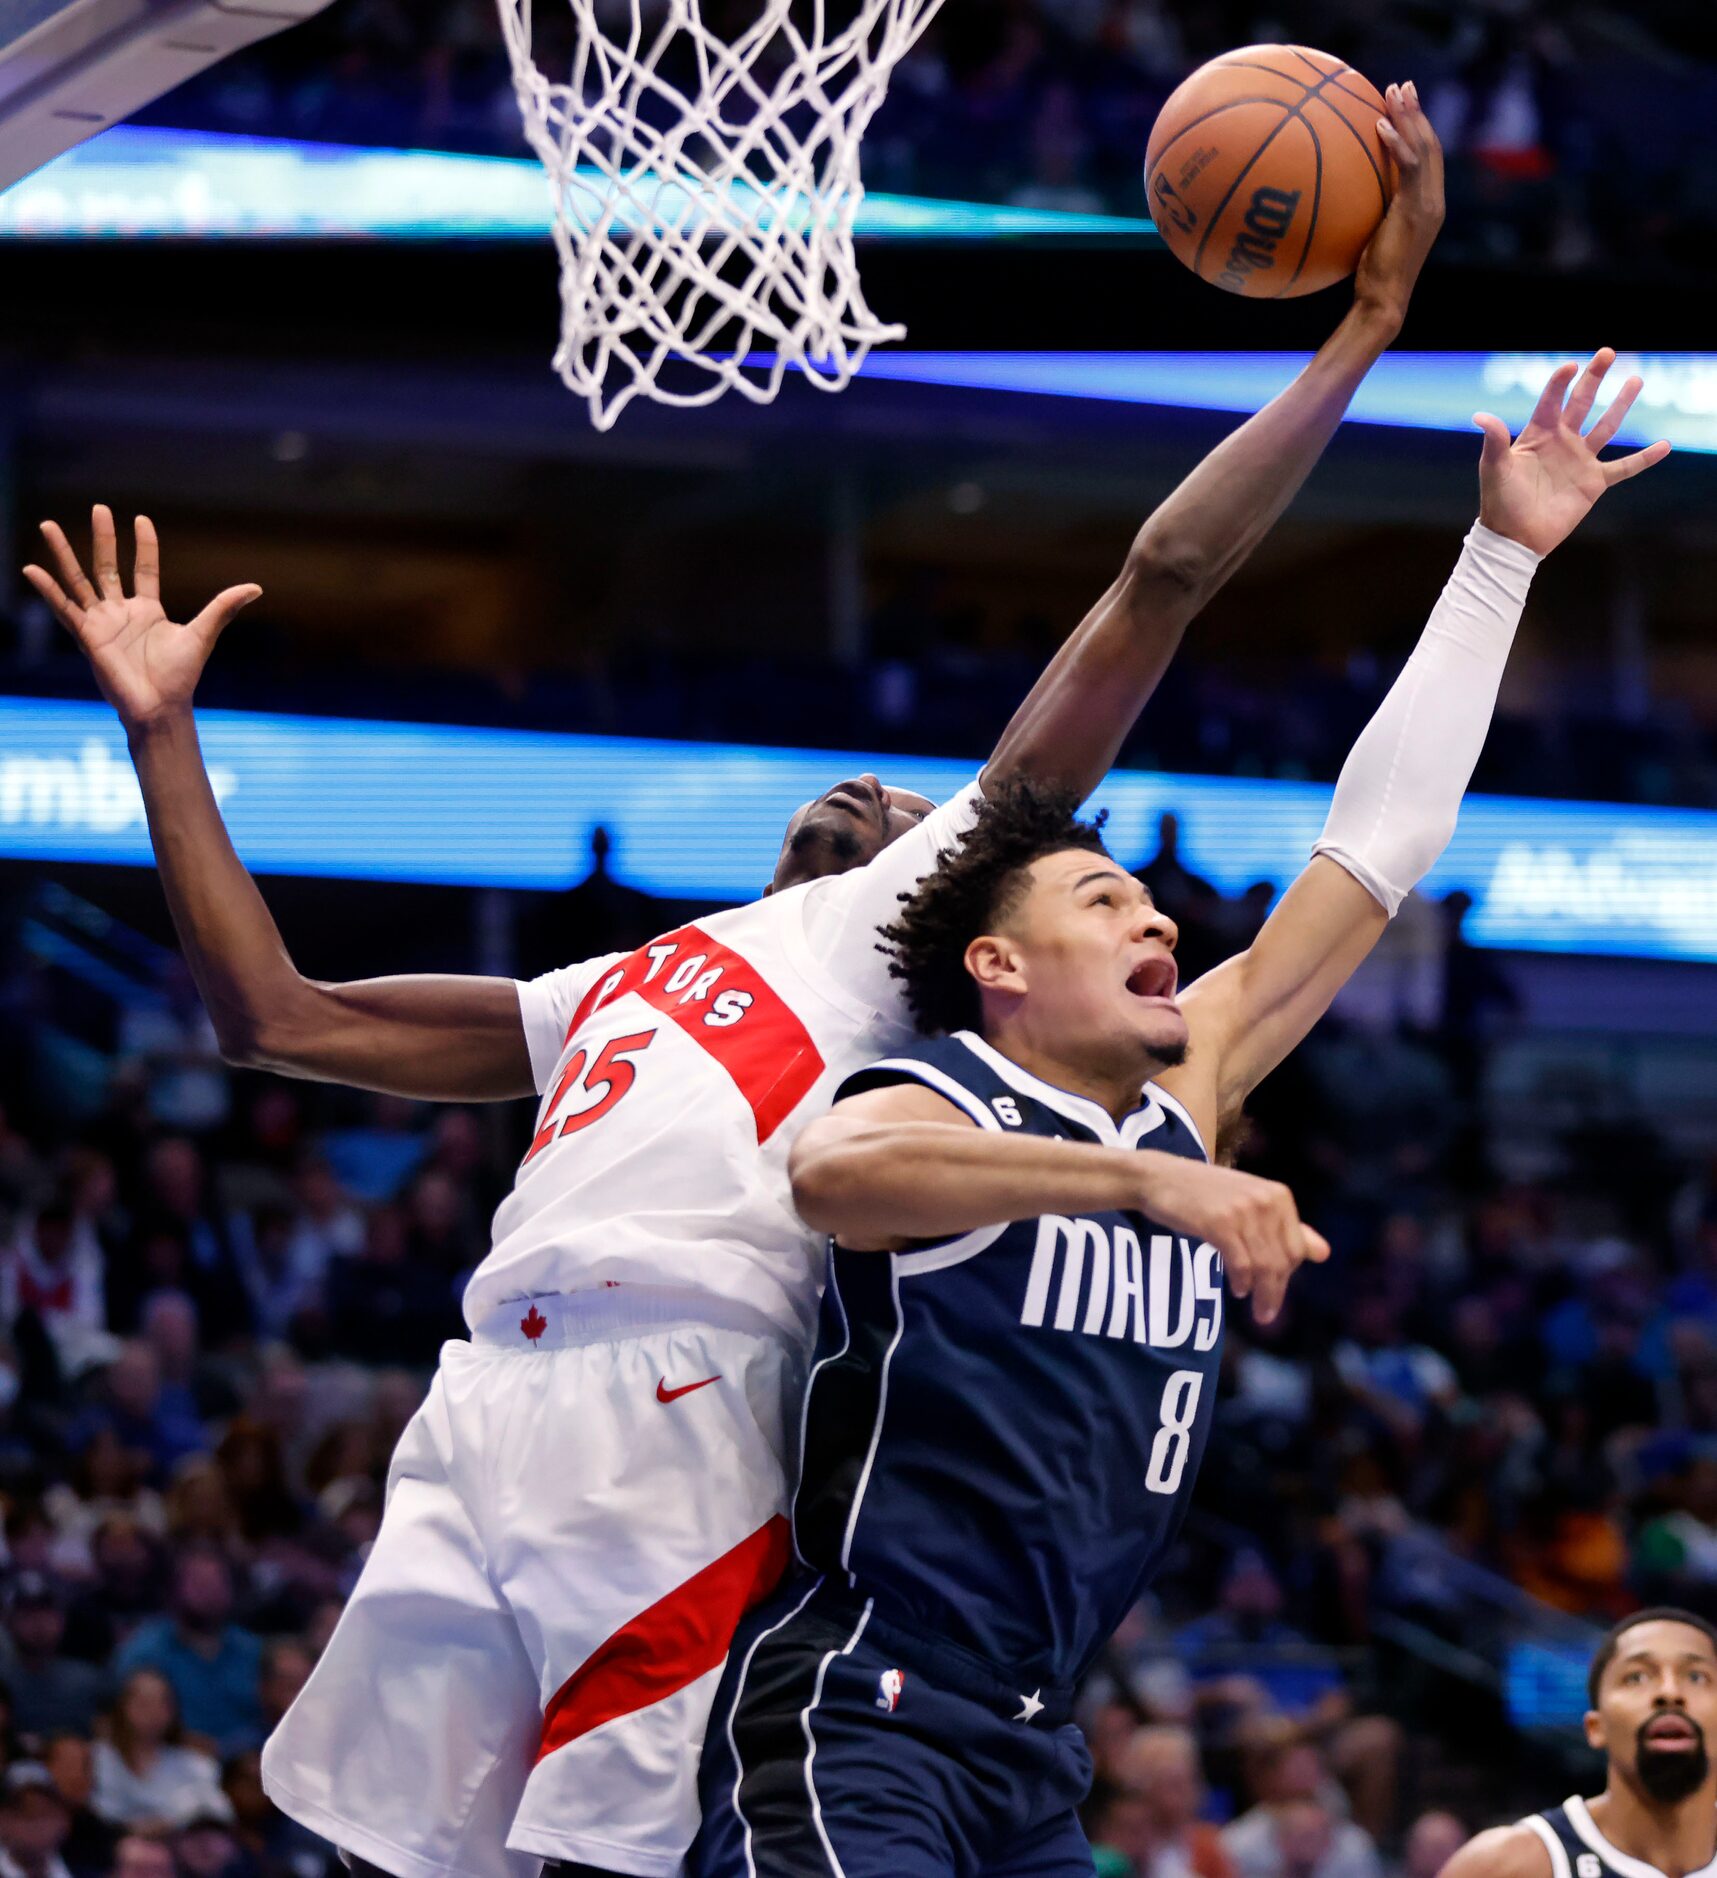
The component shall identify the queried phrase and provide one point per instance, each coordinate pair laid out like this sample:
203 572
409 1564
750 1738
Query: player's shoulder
1517 1851
955 1067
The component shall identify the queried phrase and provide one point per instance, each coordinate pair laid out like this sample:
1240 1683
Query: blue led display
1416 390
382 801
138 180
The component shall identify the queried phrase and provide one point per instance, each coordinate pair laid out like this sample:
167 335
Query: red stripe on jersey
678 1639
723 1004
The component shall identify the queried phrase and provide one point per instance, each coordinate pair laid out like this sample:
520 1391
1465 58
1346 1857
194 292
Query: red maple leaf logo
534 1325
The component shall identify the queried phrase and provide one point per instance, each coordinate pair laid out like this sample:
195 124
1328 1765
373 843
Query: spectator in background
1248 1635
1160 1766
50 1691
130 1407
1296 1821
208 1846
146 1778
212 1665
1118 1824
385 1306
271 1840
282 1290
1301 1837
175 1208
1433 1839
286 1666
54 1269
127 1558
192 1386
106 1480
137 1856
34 1823
89 1845
172 1041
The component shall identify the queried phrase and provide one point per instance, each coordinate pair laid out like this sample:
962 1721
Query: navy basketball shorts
839 1748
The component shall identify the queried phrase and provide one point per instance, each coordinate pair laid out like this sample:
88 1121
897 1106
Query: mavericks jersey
1579 1850
1002 1432
674 1080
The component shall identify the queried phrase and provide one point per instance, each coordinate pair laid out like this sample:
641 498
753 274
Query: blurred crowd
220 1295
1050 102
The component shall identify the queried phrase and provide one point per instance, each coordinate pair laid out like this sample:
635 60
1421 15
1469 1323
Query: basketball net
705 188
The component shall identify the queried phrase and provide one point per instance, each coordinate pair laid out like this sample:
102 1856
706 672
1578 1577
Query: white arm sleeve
1401 786
546 1005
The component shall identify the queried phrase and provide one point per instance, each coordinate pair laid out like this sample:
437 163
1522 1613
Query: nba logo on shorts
1588 1865
888 1687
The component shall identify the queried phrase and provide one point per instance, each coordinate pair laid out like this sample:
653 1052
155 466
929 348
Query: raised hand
1253 1223
1390 266
1539 487
146 665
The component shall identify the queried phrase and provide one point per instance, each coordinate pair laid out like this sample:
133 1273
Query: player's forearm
1204 531
433 1038
1400 789
1070 729
229 938
878 1184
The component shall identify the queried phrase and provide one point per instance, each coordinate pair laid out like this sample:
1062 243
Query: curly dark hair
971 890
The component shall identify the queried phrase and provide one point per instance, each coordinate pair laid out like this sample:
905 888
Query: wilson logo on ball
1267 221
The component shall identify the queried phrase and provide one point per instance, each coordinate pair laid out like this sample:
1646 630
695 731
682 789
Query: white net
705 172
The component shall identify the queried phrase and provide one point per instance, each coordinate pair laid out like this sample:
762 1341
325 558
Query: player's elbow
273 1033
825 1176
1164 564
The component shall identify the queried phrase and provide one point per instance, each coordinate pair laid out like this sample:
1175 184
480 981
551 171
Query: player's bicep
1249 1013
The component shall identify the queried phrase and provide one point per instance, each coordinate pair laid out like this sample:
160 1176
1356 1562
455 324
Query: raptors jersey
675 1079
1579 1850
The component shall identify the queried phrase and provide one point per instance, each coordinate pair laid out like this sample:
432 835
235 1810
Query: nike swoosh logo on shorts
665 1394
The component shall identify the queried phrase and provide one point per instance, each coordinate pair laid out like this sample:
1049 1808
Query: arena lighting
1415 390
347 799
137 180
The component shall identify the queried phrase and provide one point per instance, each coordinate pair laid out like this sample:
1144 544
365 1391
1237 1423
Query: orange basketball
1265 171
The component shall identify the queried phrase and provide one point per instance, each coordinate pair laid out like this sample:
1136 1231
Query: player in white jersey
592 1496
1652 1690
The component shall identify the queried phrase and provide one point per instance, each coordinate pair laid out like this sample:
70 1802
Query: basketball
1265 172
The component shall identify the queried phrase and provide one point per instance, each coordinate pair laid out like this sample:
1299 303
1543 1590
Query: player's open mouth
1672 1732
1154 979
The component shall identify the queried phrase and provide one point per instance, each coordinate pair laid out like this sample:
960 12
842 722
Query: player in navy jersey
1022 1327
1653 1694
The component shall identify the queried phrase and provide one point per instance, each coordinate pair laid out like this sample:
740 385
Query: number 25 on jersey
609 1079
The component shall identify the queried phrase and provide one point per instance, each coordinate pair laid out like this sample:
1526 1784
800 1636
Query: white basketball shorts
591 1497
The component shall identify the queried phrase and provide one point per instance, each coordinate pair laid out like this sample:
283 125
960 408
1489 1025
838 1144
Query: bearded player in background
1653 1694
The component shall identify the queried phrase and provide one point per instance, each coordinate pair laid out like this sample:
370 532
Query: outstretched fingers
1586 386
1611 421
1625 467
147 575
1547 412
66 611
66 564
222 610
104 552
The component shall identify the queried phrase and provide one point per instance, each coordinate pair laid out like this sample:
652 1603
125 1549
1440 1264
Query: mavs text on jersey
1001 1436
